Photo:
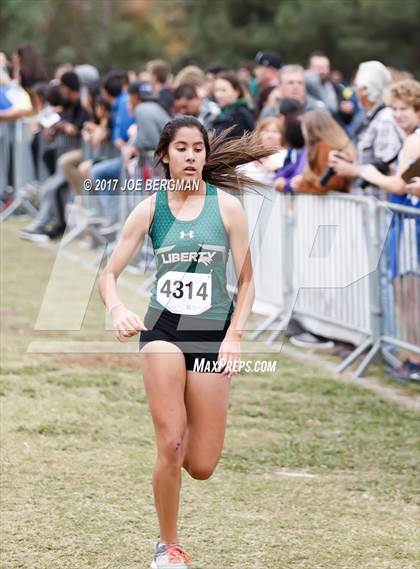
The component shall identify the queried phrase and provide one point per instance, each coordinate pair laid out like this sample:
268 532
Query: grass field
315 473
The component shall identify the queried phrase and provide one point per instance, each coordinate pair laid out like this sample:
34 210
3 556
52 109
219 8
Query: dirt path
387 392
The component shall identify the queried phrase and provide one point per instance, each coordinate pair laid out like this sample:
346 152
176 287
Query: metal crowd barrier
340 310
16 158
6 138
325 255
141 169
85 213
16 166
402 250
268 217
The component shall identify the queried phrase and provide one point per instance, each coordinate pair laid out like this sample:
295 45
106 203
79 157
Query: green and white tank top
191 259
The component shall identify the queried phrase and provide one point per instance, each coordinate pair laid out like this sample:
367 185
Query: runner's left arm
239 244
237 229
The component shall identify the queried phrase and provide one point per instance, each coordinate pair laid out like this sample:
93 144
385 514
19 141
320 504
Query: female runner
191 322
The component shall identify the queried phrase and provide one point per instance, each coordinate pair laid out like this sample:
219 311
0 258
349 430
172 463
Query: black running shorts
197 337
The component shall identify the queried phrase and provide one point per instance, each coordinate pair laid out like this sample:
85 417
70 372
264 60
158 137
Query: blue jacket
121 118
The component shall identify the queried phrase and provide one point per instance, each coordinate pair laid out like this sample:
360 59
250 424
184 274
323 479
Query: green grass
78 449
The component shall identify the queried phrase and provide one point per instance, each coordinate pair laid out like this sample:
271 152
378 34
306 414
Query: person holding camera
321 134
378 139
404 100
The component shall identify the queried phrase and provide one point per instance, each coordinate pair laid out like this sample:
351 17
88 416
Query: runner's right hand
126 323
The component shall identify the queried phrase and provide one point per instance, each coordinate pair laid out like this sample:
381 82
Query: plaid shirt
379 138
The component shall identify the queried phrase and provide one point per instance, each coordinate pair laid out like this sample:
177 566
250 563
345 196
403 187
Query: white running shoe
308 340
36 235
170 556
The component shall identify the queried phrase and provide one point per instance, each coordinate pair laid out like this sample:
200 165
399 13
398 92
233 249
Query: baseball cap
88 74
269 59
144 90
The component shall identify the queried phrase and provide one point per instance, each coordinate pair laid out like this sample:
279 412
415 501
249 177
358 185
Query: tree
128 33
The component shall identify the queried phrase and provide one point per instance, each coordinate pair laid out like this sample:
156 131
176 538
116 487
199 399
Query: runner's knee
171 451
200 471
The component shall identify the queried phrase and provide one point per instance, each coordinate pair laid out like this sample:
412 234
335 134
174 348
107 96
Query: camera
326 176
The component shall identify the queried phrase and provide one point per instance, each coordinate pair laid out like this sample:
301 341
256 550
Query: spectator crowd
357 136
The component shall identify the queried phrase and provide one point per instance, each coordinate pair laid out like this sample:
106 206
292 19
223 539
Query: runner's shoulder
230 208
146 205
143 213
229 202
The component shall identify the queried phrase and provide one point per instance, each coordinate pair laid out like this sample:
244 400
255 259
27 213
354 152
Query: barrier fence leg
389 357
368 358
20 201
353 356
375 251
73 233
276 333
264 327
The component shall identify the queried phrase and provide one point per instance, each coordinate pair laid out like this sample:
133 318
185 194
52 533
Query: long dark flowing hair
222 156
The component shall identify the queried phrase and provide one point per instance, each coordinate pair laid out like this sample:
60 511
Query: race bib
184 293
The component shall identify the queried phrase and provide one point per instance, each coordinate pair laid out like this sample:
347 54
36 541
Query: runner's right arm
126 323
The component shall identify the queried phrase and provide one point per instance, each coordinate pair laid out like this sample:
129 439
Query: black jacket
239 116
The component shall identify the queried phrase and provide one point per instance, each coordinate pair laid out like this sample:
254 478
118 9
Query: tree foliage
129 32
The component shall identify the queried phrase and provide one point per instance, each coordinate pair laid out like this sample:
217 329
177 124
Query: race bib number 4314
184 293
